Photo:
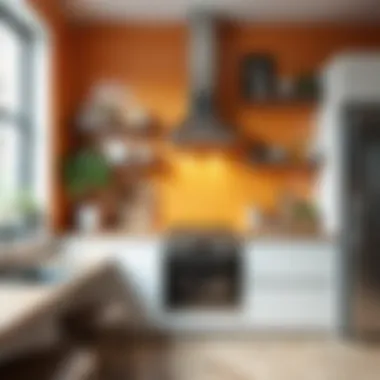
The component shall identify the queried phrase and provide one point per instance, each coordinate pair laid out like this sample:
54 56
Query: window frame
22 119
38 116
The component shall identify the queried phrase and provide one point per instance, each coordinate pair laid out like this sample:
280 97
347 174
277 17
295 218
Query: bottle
254 218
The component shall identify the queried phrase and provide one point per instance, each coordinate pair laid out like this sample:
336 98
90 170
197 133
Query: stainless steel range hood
202 126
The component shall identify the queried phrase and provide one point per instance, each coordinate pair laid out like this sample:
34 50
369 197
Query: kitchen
214 179
204 158
202 204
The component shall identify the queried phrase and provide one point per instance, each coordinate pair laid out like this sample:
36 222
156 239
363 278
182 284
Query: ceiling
255 10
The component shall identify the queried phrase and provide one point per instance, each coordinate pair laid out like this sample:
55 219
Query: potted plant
87 174
305 216
30 212
9 222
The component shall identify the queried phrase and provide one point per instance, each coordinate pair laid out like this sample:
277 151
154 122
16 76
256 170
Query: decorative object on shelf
138 160
115 151
305 216
87 173
297 213
138 118
254 218
88 217
111 107
277 155
91 119
286 88
140 212
307 87
144 155
258 152
105 107
259 77
285 204
263 153
296 153
261 83
141 160
303 152
304 211
109 201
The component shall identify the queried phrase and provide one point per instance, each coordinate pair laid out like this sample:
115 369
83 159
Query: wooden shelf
282 103
306 168
142 169
150 131
147 134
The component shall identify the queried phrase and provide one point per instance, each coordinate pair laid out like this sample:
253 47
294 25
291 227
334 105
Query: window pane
10 63
9 158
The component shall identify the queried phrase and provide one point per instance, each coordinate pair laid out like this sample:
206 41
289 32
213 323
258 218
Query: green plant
86 172
304 211
26 204
28 208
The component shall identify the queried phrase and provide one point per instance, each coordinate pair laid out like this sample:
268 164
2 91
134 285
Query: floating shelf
146 134
142 169
307 168
152 130
282 103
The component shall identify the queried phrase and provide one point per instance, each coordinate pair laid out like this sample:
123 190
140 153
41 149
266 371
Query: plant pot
115 151
88 218
109 204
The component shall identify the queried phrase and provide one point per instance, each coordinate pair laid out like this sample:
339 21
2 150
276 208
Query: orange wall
62 101
152 61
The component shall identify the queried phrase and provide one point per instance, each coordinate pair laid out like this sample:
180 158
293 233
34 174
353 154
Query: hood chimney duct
202 126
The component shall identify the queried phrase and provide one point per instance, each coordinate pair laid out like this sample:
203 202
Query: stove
203 269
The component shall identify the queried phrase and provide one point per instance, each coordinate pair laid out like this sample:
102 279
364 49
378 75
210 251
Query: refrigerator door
362 218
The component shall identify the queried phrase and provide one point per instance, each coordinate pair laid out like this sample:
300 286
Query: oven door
203 282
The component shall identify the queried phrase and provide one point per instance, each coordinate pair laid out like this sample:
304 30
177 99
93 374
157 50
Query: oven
203 271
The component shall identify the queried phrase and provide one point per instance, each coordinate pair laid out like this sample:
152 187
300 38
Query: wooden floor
220 359
234 359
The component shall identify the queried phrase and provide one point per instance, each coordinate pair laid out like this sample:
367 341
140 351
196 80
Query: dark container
259 77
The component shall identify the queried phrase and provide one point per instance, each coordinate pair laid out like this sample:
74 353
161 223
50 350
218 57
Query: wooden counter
28 309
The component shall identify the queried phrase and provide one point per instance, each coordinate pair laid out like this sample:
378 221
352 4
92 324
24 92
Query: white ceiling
255 10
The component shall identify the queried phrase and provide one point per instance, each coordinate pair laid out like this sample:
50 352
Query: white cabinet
140 260
293 309
291 259
286 285
292 285
142 264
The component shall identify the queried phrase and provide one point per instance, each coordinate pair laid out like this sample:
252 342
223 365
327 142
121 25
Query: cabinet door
292 285
141 262
292 260
296 310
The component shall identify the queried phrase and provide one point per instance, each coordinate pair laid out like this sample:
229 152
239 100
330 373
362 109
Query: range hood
202 127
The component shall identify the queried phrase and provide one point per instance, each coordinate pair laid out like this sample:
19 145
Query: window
23 122
16 104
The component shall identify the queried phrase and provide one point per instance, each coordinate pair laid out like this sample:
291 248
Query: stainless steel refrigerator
361 219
